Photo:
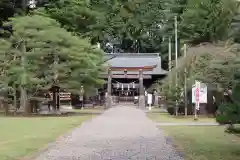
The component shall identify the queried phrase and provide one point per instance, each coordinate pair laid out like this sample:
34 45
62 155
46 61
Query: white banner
80 98
202 93
149 99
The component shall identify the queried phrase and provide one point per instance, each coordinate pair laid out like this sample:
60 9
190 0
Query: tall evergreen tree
49 55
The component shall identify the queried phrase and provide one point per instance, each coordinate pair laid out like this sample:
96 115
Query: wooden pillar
109 90
58 99
155 98
141 90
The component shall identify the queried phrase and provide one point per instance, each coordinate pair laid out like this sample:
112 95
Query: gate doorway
127 96
126 92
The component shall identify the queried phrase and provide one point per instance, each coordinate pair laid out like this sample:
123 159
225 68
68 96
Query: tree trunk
176 110
54 102
1 104
23 99
15 98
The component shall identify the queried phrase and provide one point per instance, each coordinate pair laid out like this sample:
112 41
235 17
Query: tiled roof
129 60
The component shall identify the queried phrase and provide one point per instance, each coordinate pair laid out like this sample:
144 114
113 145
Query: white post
150 107
98 45
169 54
170 59
176 58
149 100
176 45
195 112
81 97
185 81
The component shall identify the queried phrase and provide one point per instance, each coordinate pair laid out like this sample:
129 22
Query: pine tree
51 56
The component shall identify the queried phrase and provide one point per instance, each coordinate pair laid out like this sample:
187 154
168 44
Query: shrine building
131 74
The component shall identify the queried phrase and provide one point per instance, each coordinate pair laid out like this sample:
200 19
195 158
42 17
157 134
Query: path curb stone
186 124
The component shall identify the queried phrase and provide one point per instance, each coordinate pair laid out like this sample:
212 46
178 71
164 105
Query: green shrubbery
228 113
171 109
173 95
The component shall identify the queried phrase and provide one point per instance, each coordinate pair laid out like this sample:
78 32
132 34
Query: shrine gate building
130 74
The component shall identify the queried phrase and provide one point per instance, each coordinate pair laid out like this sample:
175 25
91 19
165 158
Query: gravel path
121 133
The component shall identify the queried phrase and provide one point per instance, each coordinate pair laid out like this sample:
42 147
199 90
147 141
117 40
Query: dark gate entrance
125 92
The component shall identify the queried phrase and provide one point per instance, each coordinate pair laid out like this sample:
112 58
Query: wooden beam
132 76
144 68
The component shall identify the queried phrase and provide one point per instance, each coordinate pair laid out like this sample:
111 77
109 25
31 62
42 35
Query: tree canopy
215 18
131 26
58 37
208 63
53 49
40 53
139 25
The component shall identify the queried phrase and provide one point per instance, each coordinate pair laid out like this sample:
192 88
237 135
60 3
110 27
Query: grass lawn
165 117
204 142
22 136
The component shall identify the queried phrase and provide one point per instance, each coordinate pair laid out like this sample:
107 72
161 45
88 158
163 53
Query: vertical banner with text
197 84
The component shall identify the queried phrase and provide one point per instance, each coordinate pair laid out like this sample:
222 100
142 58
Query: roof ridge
134 54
